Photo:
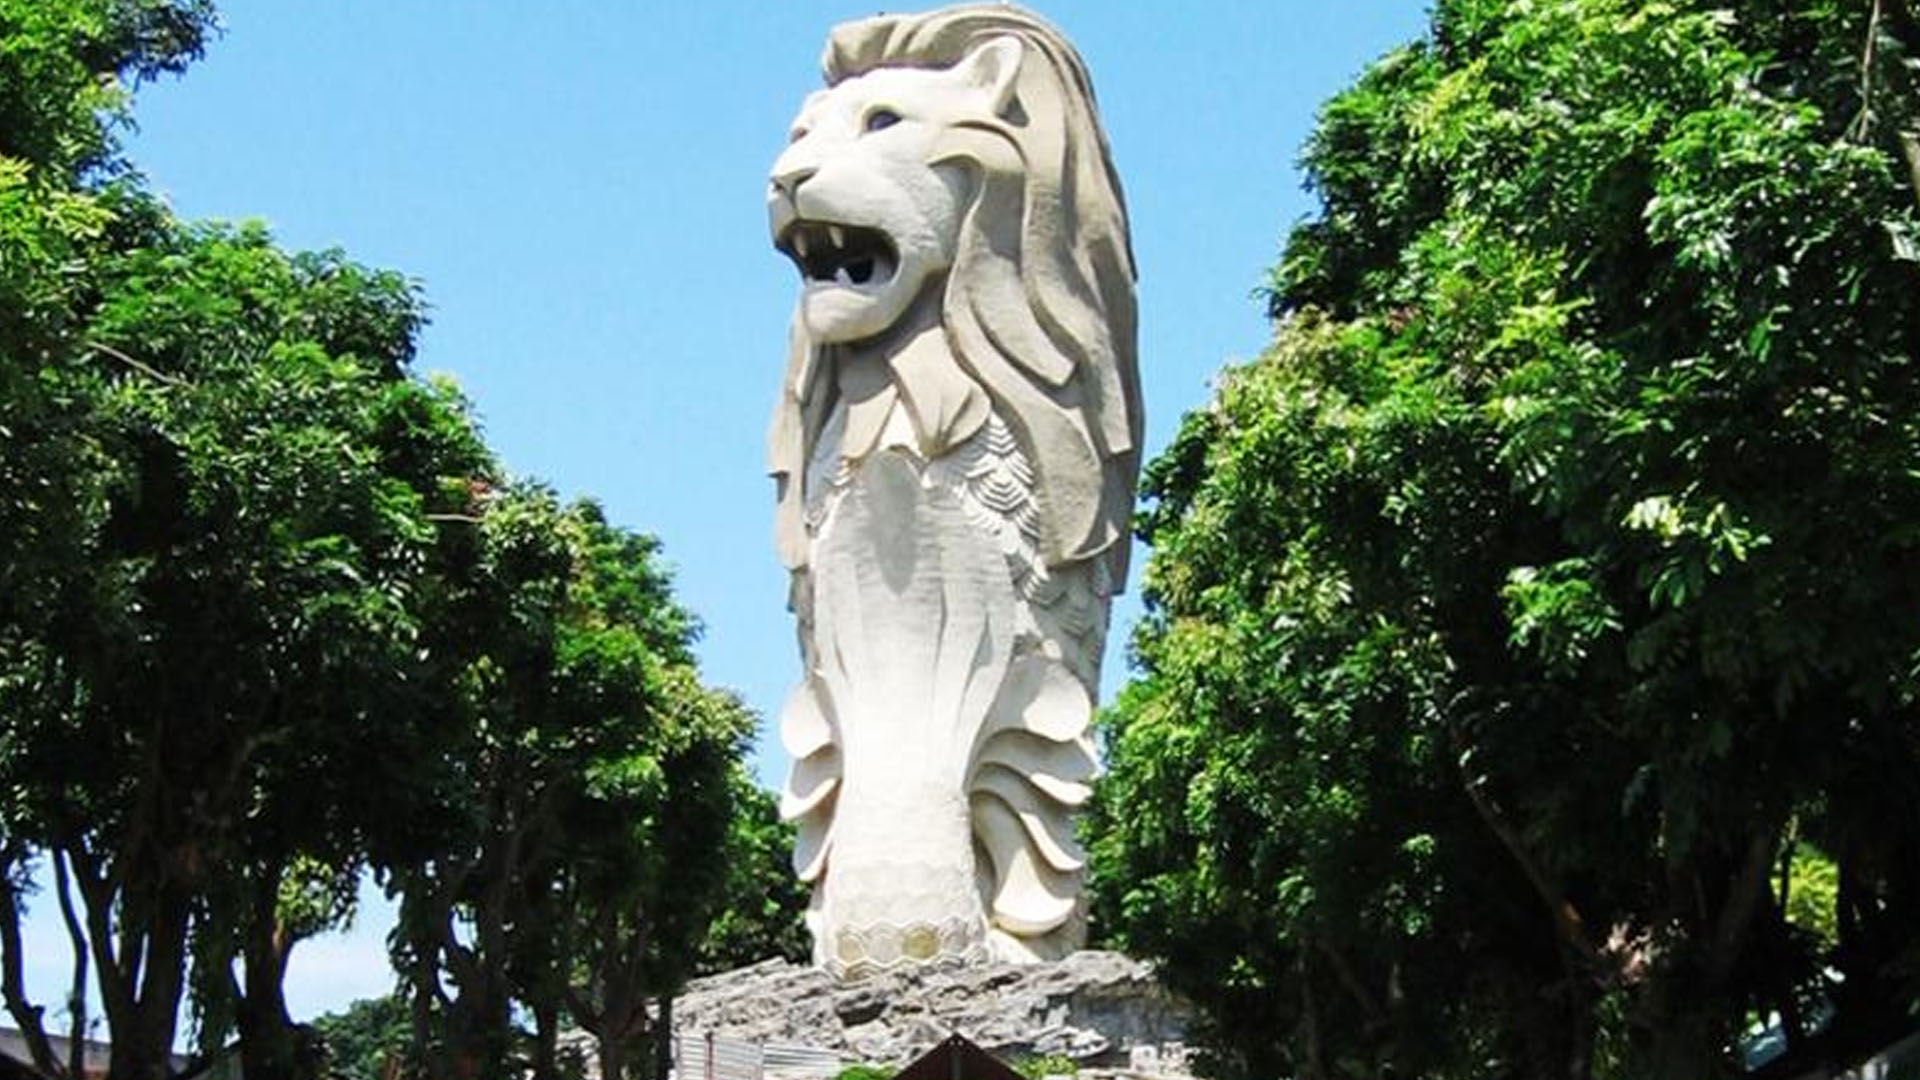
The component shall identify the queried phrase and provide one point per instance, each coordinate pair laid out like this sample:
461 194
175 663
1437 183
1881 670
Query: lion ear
993 67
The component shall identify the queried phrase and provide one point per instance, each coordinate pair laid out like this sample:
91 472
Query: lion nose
787 181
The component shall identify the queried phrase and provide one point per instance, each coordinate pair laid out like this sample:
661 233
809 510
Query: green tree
367 1040
763 915
215 503
582 877
265 624
225 670
66 73
1549 582
644 874
69 70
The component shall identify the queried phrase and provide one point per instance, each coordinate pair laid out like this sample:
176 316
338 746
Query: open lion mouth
849 255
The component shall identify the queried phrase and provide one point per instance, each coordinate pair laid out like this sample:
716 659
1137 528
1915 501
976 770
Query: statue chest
920 403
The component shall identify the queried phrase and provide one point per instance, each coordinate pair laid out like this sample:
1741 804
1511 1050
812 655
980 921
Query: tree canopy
272 617
573 867
1533 627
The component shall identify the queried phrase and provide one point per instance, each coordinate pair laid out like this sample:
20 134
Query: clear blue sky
579 186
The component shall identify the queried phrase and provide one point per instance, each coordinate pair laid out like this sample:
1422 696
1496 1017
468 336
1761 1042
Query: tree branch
1567 921
583 1012
1894 19
1902 25
1869 56
77 995
140 366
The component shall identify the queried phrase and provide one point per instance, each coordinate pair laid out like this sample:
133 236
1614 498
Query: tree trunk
613 1058
426 927
97 894
623 1022
1581 1003
480 1036
270 1044
77 989
1690 1010
1687 1046
663 1040
420 1023
27 1017
1315 1064
546 1039
144 1050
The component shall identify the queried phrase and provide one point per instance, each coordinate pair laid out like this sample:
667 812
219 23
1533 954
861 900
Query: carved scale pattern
1030 758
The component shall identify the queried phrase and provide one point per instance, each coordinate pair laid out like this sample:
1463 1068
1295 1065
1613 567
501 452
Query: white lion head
960 151
866 200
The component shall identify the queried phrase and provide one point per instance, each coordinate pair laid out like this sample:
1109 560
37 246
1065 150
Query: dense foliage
570 868
1530 673
765 904
368 1040
272 618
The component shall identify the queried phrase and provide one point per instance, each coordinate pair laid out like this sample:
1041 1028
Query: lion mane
1040 315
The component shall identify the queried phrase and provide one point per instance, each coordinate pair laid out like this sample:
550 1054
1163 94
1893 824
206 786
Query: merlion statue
955 449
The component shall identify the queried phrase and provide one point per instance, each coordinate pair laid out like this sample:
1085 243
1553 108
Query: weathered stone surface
1101 1009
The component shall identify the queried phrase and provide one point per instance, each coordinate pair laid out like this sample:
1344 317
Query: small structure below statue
955 1058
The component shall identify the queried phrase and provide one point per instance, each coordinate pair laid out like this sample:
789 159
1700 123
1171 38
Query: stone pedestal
1103 1010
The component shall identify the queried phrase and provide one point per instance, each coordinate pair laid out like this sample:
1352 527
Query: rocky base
1105 1012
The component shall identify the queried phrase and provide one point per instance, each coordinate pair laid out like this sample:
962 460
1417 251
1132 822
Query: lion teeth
838 235
800 242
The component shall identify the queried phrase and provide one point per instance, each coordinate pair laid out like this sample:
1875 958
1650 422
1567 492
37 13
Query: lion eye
881 119
796 134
